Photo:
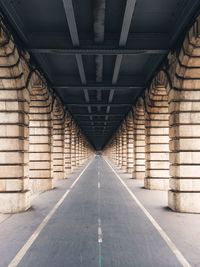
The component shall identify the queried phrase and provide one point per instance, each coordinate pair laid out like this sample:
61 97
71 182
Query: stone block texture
157 138
35 133
166 131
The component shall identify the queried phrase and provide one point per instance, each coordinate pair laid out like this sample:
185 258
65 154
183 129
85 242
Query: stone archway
157 135
40 137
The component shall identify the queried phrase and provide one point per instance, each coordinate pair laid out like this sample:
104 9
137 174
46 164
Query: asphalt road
99 224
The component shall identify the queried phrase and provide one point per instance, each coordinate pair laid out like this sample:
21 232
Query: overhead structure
98 56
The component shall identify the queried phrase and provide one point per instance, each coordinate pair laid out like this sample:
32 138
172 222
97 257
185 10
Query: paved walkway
97 224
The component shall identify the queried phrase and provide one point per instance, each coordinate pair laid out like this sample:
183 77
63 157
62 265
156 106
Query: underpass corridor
99 133
96 219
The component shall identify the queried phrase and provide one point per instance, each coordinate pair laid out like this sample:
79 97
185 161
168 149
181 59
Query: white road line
22 252
99 231
100 235
169 242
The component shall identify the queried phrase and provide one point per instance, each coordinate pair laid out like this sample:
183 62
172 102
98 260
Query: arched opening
124 146
120 144
67 154
73 146
40 137
14 177
130 144
157 135
139 140
58 140
184 104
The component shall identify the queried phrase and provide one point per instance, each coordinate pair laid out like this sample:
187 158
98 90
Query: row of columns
159 141
39 141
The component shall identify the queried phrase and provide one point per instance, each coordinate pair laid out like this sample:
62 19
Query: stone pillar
14 179
40 149
139 137
67 146
120 149
115 149
184 107
81 150
157 139
124 147
73 147
77 138
130 145
84 151
58 141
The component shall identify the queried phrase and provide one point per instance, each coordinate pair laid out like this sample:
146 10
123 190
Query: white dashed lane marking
22 252
169 242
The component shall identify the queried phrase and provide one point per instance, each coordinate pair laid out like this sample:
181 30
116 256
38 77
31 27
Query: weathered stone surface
157 140
139 144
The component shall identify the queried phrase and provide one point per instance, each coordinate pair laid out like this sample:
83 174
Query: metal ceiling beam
87 99
97 127
81 70
128 14
125 80
69 12
101 123
99 134
99 51
97 123
98 104
99 29
97 114
154 39
97 87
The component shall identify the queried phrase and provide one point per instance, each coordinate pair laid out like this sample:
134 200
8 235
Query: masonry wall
35 133
157 138
167 129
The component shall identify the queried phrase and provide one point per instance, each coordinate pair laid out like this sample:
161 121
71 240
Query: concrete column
157 139
184 99
124 147
58 141
14 179
67 146
40 149
130 145
139 137
73 147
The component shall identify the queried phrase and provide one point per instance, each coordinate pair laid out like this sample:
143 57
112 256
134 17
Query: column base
132 173
156 184
67 172
58 175
139 175
184 201
41 185
14 202
124 168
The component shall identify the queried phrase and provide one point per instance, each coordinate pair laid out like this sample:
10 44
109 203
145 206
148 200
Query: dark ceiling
99 55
